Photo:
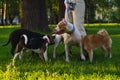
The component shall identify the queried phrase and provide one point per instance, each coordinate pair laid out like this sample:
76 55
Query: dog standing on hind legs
93 41
71 36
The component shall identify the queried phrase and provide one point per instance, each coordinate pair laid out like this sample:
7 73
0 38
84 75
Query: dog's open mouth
58 32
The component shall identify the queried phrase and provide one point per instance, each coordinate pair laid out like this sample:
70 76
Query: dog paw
83 58
54 57
67 60
110 56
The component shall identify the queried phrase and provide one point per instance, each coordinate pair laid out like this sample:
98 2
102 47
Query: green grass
32 68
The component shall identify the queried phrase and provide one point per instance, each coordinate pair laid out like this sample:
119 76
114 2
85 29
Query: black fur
35 43
15 37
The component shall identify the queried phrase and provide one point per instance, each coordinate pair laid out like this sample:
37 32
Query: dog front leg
45 55
54 53
57 42
67 52
90 52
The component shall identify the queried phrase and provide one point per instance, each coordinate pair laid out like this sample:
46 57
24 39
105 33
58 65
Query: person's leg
78 16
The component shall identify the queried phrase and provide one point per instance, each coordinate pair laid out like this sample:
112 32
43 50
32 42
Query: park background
38 14
42 16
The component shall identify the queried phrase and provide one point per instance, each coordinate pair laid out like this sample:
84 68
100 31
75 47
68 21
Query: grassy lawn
32 68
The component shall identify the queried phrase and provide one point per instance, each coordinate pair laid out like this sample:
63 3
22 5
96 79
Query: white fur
15 56
73 39
36 50
45 53
26 39
57 40
102 30
45 37
76 37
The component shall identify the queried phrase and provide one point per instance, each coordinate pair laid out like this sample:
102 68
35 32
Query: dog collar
73 29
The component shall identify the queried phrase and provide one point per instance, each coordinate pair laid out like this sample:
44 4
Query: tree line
37 14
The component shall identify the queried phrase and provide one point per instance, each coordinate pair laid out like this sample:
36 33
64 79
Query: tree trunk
34 16
2 19
89 11
62 9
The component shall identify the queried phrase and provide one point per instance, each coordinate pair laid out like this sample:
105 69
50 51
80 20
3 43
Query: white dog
72 36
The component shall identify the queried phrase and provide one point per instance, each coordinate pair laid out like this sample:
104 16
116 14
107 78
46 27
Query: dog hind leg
109 51
105 50
15 56
22 53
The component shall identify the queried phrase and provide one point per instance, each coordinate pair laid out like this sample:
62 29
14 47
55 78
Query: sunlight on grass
54 25
10 26
117 35
3 36
95 25
32 68
102 24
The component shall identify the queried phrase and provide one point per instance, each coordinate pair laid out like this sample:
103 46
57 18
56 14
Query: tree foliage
109 9
13 9
10 9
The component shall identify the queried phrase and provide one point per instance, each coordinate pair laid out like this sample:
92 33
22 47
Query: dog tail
7 42
25 38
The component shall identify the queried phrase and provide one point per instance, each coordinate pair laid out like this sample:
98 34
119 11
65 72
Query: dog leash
69 9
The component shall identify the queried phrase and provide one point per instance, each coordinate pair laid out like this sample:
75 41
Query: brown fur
71 35
91 42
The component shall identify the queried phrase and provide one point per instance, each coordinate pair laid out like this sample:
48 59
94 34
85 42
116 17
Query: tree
10 9
53 11
117 13
90 8
61 9
13 9
34 15
2 18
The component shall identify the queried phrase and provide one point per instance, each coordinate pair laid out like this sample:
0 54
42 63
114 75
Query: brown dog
91 42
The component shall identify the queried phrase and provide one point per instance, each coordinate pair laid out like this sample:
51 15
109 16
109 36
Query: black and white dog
14 37
38 45
23 39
